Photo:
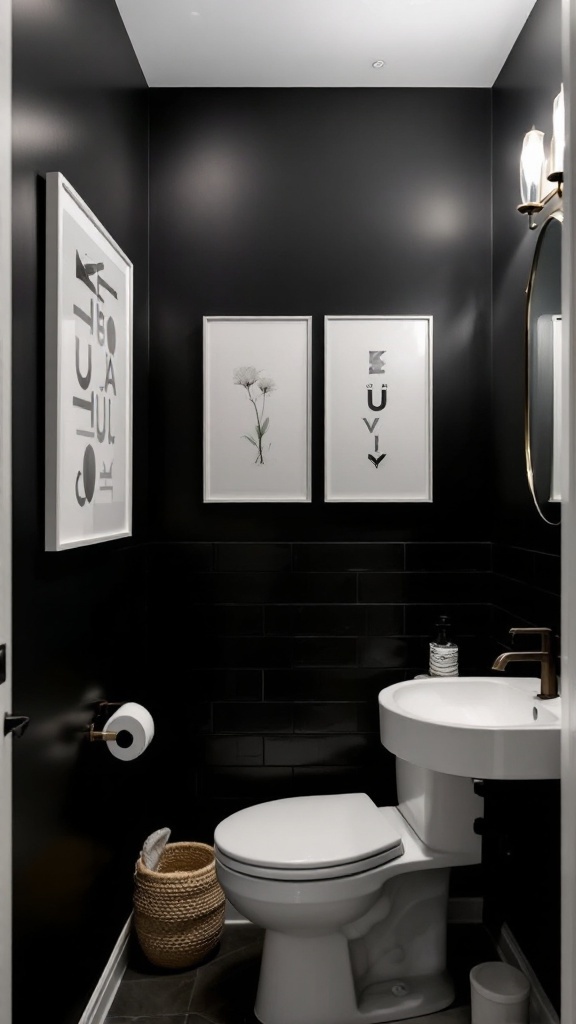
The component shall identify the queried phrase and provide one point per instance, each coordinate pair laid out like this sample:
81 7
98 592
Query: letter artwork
95 375
376 365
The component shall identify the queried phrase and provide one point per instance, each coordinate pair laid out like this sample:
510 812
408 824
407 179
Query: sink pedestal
440 808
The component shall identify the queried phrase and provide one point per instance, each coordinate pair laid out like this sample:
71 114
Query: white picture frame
378 408
88 418
257 408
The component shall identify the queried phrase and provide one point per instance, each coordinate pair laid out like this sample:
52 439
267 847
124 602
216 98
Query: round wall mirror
543 370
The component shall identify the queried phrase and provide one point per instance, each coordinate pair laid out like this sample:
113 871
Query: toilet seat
307 838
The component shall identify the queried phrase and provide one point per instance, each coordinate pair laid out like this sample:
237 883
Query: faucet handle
543 631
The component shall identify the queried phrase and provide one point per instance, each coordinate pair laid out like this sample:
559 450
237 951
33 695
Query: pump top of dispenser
443 627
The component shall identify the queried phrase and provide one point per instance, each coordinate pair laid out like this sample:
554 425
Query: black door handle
16 724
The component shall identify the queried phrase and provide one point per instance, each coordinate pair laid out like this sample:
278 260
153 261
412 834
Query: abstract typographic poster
378 408
257 408
88 376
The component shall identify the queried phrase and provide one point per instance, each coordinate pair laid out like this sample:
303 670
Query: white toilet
353 897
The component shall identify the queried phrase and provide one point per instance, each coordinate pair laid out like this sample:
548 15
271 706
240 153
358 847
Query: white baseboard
233 916
103 995
541 1009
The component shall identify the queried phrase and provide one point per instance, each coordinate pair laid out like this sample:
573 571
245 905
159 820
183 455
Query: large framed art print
257 408
88 483
378 408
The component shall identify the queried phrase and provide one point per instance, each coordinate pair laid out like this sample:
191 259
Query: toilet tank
440 808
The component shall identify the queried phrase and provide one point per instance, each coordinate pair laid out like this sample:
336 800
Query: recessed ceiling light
194 14
378 63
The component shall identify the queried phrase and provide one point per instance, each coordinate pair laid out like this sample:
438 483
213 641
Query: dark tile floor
223 988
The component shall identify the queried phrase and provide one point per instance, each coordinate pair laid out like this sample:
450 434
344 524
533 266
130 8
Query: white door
5 504
568 631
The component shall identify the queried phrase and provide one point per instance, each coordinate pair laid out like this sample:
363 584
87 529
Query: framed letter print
378 380
257 408
88 376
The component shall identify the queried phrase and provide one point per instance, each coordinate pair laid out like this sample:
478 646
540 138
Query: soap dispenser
443 652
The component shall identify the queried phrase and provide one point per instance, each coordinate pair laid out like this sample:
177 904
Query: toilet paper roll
135 728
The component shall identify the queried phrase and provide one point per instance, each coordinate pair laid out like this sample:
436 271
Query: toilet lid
308 833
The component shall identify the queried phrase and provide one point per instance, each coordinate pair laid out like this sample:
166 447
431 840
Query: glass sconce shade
556 162
532 163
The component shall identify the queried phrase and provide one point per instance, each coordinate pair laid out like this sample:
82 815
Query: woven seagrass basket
178 907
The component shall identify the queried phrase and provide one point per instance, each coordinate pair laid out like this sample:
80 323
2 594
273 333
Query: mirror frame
557 215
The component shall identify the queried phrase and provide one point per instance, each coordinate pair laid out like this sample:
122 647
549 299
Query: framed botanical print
257 409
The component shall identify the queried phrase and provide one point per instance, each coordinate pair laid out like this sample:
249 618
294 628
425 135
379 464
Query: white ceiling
455 43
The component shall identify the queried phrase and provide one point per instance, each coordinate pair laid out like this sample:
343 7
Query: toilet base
325 992
388 965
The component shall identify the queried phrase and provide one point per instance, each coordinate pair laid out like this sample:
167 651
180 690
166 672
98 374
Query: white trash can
499 994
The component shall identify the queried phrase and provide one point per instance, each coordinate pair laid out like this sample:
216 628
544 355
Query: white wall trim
541 1009
103 995
5 502
568 559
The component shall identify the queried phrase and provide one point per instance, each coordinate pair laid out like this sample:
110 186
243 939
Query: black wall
526 558
315 201
80 107
281 621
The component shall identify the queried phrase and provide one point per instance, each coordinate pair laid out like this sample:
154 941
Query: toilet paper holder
94 734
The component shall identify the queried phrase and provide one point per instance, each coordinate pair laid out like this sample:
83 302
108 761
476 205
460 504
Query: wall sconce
536 172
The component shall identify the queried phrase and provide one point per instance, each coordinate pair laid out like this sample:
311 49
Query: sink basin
477 726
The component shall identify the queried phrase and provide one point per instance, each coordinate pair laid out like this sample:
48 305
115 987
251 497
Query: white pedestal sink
481 727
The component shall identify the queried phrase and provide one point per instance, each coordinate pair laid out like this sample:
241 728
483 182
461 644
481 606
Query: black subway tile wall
286 647
526 592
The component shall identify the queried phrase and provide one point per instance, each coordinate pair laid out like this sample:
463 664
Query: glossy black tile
368 717
270 588
315 780
393 652
340 717
385 620
451 587
252 784
517 563
205 620
357 557
245 652
547 575
445 557
222 989
232 684
225 990
234 750
317 750
469 619
163 1018
195 1018
318 684
252 717
315 620
251 557
475 655
322 650
382 587
151 992
173 560
537 607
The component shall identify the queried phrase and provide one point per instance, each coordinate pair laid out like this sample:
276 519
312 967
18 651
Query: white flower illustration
246 377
